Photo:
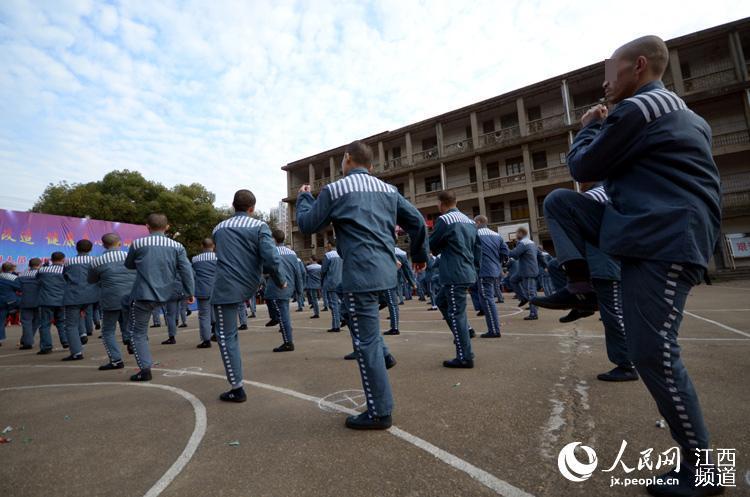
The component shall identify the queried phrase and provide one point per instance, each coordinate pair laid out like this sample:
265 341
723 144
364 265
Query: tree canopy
127 197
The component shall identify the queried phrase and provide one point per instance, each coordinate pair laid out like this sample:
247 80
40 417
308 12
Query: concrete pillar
443 176
566 102
311 174
412 188
533 224
738 56
474 130
332 166
674 68
381 154
480 174
409 152
522 120
290 188
506 208
440 141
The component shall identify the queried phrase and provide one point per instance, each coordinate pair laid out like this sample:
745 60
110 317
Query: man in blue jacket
525 252
79 297
30 311
663 221
244 251
51 298
454 237
330 272
364 211
115 283
204 272
494 255
159 262
277 296
300 292
313 285
10 288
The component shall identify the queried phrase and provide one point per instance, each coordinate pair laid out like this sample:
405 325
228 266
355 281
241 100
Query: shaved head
110 240
480 220
652 48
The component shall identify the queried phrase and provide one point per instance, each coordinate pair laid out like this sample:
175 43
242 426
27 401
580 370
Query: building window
685 69
488 126
493 170
534 113
432 184
519 209
468 132
539 160
472 174
514 166
497 212
429 143
540 205
509 120
396 152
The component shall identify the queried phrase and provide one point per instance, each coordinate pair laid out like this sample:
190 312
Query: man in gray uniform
300 293
172 312
455 238
79 295
244 251
313 285
115 283
51 298
159 261
30 312
525 253
494 255
330 272
9 298
204 270
278 297
364 211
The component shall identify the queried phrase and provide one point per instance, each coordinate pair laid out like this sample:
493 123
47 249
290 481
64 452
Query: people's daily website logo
573 469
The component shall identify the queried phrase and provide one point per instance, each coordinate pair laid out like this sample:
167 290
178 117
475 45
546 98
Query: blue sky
225 93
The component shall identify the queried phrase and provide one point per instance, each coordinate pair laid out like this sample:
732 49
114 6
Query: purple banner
25 235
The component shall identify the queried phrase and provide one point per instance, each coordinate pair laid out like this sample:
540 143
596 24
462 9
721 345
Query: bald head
480 220
111 240
652 48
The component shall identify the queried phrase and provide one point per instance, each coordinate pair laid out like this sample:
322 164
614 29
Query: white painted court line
720 325
490 481
199 430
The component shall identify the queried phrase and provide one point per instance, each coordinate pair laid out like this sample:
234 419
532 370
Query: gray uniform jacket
290 272
159 261
78 290
455 238
114 279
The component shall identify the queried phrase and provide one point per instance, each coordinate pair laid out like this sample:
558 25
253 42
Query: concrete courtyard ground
493 430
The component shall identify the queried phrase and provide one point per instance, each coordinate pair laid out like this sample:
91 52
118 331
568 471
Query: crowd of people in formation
629 246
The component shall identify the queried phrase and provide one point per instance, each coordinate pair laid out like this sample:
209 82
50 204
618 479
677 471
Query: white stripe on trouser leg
223 346
454 326
360 357
393 310
487 311
281 321
132 335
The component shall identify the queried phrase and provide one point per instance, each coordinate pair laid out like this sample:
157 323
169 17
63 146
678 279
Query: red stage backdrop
24 235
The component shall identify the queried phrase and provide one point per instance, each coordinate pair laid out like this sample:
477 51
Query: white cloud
225 93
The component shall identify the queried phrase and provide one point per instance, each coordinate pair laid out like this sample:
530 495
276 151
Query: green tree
126 196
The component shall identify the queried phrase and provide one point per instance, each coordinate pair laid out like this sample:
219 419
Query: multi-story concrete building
502 156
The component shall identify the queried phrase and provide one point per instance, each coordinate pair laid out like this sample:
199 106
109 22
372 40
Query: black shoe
489 335
390 361
619 374
77 357
334 330
242 327
392 331
205 344
316 316
142 375
382 306
112 365
100 337
44 352
284 347
251 316
272 322
235 395
564 299
97 326
300 310
575 315
214 338
432 309
89 333
522 302
155 326
480 313
169 341
188 312
325 309
459 364
531 318
351 356
366 422
343 323
129 346
472 333
25 347
65 346
182 325
84 340
685 486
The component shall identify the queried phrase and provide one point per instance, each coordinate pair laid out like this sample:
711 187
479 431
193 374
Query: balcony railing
554 172
577 113
425 155
457 147
495 226
424 197
499 136
546 123
736 194
464 189
320 183
720 76
503 181
394 163
731 138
